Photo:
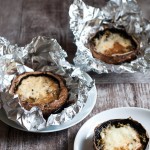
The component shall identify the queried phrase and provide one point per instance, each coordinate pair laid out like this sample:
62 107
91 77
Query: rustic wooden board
10 19
109 96
22 20
121 78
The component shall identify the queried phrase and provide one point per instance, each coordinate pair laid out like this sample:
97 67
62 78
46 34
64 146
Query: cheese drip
112 43
122 138
38 90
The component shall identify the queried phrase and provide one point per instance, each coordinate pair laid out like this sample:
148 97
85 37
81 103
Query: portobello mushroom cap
114 46
120 134
45 90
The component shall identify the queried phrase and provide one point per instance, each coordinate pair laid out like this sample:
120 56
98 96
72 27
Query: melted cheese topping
38 90
122 138
112 43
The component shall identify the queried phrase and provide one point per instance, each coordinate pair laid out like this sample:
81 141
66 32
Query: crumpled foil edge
42 54
86 20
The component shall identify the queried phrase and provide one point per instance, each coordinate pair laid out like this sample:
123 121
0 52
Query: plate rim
111 109
64 125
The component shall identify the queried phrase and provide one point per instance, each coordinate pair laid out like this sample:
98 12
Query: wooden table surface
20 21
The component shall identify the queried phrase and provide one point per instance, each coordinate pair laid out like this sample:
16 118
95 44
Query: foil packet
42 54
86 20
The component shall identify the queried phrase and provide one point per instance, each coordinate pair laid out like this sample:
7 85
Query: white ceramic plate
84 137
92 96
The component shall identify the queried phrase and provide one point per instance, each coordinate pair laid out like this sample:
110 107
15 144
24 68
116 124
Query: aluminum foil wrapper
42 54
85 21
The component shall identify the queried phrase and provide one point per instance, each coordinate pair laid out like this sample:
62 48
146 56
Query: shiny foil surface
42 54
86 20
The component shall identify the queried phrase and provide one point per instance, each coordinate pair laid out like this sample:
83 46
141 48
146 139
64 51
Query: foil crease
42 54
86 20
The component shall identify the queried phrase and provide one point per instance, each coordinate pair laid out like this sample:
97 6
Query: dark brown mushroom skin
117 122
48 108
117 59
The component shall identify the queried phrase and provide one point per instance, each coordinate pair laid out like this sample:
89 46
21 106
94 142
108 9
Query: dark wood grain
109 96
10 19
121 78
20 21
116 95
48 18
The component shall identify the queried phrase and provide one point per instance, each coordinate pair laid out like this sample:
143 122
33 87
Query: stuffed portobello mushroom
114 46
45 90
120 134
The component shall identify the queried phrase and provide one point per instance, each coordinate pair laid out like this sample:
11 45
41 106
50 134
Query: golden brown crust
118 59
116 55
46 108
